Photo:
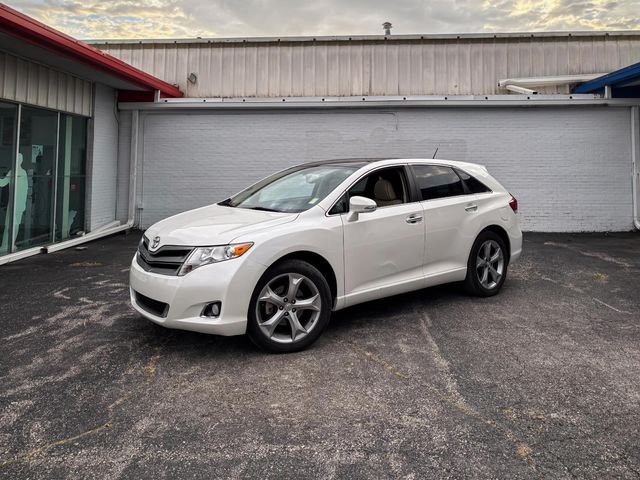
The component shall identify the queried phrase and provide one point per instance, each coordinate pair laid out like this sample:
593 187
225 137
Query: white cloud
175 19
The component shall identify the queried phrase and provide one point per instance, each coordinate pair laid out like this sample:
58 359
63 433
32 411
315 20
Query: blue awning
624 83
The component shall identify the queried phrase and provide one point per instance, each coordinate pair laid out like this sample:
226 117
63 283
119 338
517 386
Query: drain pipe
527 85
113 227
635 162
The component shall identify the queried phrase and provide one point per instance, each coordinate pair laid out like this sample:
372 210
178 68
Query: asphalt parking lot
542 381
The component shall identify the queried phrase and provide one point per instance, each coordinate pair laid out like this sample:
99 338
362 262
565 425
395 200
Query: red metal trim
26 28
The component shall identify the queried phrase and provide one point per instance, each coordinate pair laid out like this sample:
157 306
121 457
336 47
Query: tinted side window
386 187
341 206
437 182
473 184
359 188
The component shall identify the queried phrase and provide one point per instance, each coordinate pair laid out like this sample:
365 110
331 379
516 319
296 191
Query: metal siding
373 67
39 85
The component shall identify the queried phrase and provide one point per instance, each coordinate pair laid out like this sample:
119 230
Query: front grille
155 307
166 260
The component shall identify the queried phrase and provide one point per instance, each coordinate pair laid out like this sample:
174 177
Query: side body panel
312 232
382 252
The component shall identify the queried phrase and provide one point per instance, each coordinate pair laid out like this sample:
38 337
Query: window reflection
34 185
42 187
71 177
8 119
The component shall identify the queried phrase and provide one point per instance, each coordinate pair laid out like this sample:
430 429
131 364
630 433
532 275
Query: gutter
419 101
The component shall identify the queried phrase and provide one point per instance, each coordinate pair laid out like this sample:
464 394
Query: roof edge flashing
508 100
27 29
367 38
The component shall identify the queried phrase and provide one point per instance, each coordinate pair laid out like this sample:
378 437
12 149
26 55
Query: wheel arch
502 233
319 262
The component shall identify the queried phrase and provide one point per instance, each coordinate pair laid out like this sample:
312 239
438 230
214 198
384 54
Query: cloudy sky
230 18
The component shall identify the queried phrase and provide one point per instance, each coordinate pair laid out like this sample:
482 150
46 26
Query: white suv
276 259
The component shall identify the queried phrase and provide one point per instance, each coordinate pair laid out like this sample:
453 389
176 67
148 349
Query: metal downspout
635 162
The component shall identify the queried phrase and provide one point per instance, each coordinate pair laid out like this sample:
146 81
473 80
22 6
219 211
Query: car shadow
342 327
343 322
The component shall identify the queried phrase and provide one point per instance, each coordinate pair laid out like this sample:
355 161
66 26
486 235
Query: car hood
214 225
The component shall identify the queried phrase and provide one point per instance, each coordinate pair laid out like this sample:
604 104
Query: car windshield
294 190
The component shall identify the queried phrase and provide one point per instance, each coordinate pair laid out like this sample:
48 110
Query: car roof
358 162
361 162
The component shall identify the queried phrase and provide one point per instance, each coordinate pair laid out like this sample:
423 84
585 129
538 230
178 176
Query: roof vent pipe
387 28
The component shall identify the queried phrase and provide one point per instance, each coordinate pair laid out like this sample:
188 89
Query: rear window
473 184
435 181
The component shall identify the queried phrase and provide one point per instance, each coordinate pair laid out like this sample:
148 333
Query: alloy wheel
490 264
288 308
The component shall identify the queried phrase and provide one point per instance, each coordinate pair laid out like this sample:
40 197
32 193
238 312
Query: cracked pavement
541 381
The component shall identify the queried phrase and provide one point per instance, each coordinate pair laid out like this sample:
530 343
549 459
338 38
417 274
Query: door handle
471 208
414 218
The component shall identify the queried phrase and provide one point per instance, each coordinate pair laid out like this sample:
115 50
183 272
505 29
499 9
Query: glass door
34 186
8 119
43 157
70 195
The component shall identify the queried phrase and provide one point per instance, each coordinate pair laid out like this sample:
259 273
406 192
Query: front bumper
230 283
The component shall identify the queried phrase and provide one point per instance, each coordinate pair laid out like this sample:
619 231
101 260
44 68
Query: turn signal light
240 249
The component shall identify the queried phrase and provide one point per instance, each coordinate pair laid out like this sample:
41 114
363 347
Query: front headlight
206 255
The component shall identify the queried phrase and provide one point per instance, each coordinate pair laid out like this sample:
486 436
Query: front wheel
290 307
487 265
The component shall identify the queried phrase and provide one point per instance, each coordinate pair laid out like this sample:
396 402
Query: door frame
412 189
351 298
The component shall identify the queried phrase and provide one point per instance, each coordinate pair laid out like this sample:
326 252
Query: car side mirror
359 205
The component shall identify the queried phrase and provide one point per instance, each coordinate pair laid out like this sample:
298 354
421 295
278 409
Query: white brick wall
124 150
568 167
104 165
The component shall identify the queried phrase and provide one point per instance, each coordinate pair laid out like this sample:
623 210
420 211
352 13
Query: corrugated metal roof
371 65
624 82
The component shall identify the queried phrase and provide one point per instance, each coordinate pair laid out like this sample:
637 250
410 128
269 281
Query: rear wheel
487 265
290 307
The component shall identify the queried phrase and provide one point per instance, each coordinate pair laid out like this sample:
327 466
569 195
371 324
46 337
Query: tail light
513 203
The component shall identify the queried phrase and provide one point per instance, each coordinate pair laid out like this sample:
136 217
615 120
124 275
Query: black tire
283 270
472 282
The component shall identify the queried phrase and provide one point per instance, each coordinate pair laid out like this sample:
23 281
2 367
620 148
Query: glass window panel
385 187
437 181
34 186
473 184
70 203
8 119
